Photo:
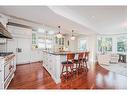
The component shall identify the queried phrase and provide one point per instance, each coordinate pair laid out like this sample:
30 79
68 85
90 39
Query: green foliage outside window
105 44
121 44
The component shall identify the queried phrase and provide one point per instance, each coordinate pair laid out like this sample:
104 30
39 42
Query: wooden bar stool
79 61
85 59
68 64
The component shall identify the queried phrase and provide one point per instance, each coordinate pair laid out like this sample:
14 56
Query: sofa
111 58
114 62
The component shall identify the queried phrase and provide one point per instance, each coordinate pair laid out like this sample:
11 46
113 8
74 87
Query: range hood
4 33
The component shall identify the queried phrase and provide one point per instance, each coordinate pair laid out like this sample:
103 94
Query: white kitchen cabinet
60 41
20 44
36 55
22 39
24 55
52 64
0 76
7 69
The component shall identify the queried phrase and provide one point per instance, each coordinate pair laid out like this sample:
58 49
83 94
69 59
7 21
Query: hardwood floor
34 76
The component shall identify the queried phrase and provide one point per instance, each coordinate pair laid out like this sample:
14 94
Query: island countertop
63 52
52 62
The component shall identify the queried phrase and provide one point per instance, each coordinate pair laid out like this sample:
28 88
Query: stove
3 54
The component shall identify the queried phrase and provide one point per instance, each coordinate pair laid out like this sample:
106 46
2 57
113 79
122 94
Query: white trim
79 43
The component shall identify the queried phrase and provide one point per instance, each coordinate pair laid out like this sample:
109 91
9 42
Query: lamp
72 37
59 35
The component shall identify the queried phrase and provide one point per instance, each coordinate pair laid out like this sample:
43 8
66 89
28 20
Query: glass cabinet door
62 41
59 41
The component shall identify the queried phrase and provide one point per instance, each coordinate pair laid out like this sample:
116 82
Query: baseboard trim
29 63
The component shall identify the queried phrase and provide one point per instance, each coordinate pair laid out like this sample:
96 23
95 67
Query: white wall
90 45
72 43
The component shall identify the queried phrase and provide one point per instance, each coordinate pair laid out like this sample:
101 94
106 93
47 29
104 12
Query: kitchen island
52 63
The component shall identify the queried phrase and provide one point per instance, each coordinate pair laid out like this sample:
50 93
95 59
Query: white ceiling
83 19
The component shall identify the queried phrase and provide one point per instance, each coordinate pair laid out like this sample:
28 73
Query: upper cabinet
3 19
60 41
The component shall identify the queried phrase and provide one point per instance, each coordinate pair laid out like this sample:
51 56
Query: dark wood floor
34 76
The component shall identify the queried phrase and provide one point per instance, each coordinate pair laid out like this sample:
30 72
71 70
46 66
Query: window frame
79 44
114 42
121 36
104 37
44 36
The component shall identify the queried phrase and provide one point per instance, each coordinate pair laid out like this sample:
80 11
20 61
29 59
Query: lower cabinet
0 78
7 69
49 61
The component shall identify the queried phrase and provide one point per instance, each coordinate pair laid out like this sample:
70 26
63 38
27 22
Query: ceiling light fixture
59 35
72 37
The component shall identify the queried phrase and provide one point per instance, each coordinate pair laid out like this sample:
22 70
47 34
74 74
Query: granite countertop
3 57
62 53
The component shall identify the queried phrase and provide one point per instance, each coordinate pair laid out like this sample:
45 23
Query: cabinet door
53 65
7 70
59 41
56 40
24 55
62 41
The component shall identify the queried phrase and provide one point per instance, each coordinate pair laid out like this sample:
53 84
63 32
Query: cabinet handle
10 67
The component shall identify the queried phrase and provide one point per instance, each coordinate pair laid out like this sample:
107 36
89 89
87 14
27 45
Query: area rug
119 68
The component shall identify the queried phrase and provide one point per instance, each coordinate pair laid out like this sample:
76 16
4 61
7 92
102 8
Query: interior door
23 50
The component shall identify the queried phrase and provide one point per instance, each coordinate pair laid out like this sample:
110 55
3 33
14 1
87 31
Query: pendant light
72 37
59 35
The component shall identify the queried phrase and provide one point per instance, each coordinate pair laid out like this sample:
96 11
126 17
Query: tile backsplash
2 45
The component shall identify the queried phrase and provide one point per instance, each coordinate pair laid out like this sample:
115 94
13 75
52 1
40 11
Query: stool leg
76 68
66 72
86 65
83 63
80 66
62 71
71 67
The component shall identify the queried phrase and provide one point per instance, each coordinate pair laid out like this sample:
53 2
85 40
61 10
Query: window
122 44
82 44
42 40
33 38
104 44
48 43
